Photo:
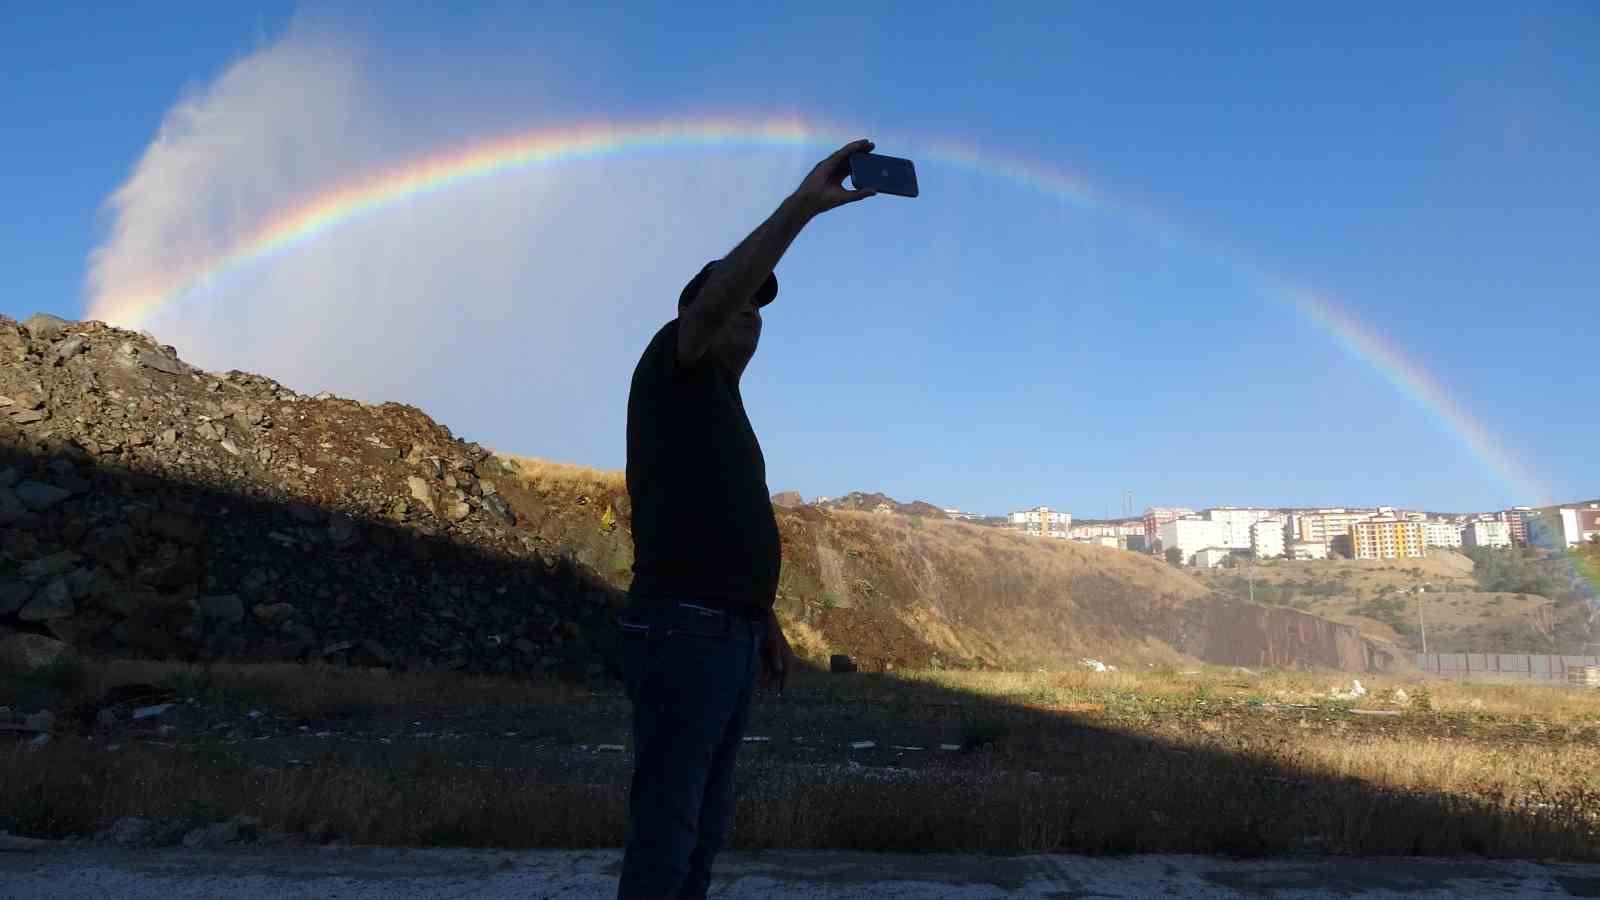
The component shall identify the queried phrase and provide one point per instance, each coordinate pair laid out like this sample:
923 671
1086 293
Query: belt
734 610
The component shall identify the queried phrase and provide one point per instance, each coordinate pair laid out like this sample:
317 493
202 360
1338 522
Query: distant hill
1378 597
863 501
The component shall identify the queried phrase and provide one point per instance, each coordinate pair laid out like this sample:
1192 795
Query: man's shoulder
651 360
659 363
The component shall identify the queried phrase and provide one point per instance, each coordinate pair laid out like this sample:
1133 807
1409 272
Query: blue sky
984 346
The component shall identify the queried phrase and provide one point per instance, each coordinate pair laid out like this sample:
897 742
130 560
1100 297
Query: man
699 623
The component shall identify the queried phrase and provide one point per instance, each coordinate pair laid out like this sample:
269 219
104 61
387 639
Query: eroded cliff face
1232 632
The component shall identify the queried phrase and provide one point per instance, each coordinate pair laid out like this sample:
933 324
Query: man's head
737 341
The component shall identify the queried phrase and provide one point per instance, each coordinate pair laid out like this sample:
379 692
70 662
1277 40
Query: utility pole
1421 622
1251 576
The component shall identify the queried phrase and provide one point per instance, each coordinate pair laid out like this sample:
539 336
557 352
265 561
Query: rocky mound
862 501
151 508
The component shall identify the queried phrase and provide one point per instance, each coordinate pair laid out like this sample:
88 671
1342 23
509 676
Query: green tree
1175 556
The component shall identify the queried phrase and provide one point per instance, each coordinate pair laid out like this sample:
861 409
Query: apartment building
1190 534
1517 518
1562 528
1210 557
1386 538
1236 523
1486 533
1585 524
1321 526
1442 534
1042 521
1303 551
1157 516
1266 538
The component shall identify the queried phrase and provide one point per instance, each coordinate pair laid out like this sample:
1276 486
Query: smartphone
885 174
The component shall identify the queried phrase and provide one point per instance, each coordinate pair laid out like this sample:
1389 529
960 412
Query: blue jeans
690 672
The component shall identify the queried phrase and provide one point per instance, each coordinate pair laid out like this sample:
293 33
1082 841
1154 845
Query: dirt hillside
148 508
905 590
1392 600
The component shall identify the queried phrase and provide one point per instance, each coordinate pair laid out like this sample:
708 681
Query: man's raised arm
737 277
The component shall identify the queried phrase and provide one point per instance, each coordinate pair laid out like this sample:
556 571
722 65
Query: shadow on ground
139 564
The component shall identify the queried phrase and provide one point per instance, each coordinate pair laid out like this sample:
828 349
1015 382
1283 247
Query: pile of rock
150 508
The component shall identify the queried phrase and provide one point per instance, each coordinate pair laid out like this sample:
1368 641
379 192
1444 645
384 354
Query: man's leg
716 810
683 699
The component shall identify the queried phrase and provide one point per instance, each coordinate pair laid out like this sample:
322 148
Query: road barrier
1534 666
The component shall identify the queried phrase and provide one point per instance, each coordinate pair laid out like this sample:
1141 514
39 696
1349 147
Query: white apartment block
1484 533
1190 535
1580 526
1236 523
1321 526
1442 534
1042 521
1266 538
1155 517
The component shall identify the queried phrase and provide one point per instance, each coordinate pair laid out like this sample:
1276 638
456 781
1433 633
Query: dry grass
1153 759
1547 704
544 473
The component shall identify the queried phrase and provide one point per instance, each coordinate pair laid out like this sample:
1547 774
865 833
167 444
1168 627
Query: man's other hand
823 189
777 660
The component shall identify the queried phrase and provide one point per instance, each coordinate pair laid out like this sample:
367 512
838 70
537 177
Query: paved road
365 873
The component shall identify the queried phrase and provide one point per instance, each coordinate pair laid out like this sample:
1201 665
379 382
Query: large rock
159 362
224 607
13 594
53 601
238 828
38 496
176 527
421 492
47 566
11 508
69 348
498 508
788 499
30 651
81 628
43 326
13 346
131 831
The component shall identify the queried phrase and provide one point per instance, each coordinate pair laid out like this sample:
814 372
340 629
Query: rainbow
303 222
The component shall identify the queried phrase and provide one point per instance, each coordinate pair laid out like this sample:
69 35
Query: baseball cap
764 295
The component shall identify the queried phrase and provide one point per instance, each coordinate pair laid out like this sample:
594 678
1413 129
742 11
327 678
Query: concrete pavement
368 873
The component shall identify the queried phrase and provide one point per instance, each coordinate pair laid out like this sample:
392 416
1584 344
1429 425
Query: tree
1175 556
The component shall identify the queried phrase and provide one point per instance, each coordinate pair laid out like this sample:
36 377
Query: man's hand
777 660
823 189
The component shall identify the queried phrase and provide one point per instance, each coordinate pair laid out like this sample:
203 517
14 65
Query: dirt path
357 873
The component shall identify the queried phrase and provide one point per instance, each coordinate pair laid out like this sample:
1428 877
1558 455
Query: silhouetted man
699 623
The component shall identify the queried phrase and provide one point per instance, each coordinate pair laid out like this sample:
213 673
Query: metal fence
1536 666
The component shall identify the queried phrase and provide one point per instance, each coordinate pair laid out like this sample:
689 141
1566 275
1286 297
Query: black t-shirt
703 526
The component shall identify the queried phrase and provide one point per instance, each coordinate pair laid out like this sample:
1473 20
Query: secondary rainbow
305 221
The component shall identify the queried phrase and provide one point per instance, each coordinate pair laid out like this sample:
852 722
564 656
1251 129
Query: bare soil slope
1381 598
893 591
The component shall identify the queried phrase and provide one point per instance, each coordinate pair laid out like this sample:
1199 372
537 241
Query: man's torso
703 525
